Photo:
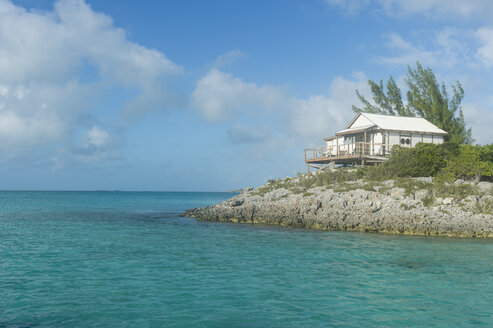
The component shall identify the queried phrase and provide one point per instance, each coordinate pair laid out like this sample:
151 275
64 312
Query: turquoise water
124 259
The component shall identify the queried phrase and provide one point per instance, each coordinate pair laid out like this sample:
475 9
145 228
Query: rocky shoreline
385 207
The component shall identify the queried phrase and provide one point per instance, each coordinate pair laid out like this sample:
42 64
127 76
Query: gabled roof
399 123
356 129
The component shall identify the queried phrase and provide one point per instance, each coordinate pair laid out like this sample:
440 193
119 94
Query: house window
405 140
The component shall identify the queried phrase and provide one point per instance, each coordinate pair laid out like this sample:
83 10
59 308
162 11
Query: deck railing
352 150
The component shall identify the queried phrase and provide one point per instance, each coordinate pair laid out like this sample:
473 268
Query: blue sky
218 95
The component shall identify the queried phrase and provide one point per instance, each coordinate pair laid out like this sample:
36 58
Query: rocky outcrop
385 208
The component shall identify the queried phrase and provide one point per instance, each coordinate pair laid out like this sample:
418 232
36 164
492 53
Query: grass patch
261 191
296 190
373 179
428 200
408 207
484 206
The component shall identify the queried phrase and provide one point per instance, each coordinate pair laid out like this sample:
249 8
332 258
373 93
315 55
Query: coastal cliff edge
407 206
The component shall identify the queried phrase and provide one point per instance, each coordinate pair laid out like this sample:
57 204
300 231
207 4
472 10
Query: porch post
364 143
337 146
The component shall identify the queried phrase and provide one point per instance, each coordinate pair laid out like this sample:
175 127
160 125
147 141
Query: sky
212 95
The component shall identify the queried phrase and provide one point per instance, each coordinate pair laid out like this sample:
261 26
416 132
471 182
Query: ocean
129 259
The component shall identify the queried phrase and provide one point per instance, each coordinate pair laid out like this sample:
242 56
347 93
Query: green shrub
444 162
488 153
378 172
447 162
472 163
424 160
443 177
428 159
401 162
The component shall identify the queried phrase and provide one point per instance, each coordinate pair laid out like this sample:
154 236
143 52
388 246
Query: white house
370 137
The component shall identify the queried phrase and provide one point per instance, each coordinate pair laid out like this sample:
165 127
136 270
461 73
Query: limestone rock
448 201
359 210
485 186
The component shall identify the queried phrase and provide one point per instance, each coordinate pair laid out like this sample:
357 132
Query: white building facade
379 133
370 138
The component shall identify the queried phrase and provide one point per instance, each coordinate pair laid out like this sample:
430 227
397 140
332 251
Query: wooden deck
353 153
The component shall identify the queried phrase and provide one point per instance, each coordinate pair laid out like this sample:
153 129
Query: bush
377 173
446 162
472 163
425 160
428 159
488 153
401 162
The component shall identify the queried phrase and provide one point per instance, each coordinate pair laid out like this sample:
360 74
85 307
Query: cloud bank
435 9
220 97
46 93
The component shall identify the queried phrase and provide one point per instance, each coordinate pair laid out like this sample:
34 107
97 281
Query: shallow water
112 259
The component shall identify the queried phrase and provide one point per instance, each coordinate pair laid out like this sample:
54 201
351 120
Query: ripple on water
128 259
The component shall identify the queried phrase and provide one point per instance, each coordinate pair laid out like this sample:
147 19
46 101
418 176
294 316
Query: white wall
427 138
377 139
391 138
332 145
415 139
437 139
394 138
361 121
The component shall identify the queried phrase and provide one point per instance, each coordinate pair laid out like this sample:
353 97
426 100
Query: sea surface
128 259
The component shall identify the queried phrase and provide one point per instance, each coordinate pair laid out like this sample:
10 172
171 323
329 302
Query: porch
360 153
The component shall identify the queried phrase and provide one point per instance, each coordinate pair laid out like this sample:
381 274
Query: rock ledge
367 209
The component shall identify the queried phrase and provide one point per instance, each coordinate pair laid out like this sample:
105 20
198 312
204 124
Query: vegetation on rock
435 172
446 162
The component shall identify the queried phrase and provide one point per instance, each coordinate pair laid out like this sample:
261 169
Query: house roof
399 123
356 129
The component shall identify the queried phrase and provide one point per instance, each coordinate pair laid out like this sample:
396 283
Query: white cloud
53 46
38 114
15 128
220 97
396 41
43 57
435 9
322 115
480 120
446 48
407 53
97 144
228 58
443 9
350 6
485 50
97 138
